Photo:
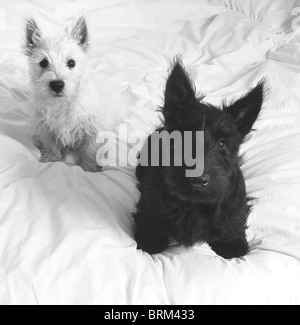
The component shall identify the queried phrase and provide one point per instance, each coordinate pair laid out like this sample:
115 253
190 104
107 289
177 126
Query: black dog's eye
44 64
71 64
221 144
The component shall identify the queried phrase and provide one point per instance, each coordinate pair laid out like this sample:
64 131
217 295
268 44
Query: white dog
67 114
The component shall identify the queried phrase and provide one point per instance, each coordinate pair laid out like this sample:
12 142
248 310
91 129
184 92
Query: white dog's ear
33 36
80 33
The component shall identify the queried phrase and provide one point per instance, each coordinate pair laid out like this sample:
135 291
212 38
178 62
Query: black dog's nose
57 86
204 179
201 181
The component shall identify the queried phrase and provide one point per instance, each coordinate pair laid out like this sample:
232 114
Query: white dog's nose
57 86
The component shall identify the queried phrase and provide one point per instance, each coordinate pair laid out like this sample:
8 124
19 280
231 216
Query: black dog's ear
80 33
33 36
245 110
179 93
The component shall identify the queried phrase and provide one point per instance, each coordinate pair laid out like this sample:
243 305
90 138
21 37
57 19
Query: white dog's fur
71 119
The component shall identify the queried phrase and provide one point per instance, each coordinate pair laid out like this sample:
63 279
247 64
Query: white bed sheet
66 235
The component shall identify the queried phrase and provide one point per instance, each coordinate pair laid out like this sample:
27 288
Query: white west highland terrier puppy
67 113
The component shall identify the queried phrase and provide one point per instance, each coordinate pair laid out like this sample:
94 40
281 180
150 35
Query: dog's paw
150 242
90 167
233 249
46 158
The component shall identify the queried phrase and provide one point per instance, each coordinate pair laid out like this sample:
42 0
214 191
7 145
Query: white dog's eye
44 64
71 64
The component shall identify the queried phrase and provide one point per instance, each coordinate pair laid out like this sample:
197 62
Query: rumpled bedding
66 236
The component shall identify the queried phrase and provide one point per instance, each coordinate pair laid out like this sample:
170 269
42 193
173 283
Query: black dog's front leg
150 239
231 249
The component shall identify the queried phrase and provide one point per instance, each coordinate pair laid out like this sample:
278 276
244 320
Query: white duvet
66 235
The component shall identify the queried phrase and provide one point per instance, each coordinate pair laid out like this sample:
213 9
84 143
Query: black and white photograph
150 155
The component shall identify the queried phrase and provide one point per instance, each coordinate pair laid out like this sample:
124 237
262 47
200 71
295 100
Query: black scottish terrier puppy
214 207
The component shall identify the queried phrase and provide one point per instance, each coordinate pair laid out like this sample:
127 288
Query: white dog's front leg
50 150
88 155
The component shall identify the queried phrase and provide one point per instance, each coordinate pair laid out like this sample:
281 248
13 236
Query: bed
66 236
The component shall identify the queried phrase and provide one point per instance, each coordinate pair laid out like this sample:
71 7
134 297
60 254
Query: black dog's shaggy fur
212 208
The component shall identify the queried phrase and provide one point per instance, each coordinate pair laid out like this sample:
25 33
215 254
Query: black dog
214 207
